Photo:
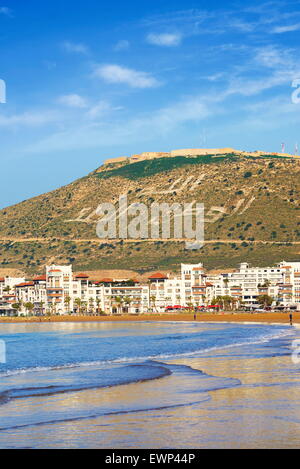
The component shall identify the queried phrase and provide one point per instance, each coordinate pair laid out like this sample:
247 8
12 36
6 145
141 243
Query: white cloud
73 100
184 18
75 47
116 74
142 127
271 57
101 108
6 11
29 119
122 45
266 68
166 39
286 29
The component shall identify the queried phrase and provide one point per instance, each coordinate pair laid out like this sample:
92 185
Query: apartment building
60 291
190 288
8 293
247 283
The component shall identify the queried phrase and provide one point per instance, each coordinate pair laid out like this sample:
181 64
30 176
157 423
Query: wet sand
263 411
271 318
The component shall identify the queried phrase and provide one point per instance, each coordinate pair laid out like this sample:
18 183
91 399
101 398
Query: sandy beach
279 318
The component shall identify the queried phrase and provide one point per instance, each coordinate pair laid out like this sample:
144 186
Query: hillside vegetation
252 209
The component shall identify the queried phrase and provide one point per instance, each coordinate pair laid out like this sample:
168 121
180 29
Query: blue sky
90 80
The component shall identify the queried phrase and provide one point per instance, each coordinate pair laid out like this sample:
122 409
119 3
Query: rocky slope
252 212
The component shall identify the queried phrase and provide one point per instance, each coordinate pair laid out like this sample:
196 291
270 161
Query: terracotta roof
39 278
158 275
26 284
2 279
54 270
106 280
81 275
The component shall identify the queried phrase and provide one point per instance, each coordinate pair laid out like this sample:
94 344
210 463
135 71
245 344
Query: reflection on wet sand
236 397
264 412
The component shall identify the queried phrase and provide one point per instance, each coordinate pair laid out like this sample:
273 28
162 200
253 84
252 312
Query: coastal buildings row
60 290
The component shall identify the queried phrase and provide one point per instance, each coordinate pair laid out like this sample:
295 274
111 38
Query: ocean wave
104 414
248 341
106 378
188 392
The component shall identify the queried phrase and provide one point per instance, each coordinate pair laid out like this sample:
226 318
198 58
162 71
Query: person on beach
195 317
291 319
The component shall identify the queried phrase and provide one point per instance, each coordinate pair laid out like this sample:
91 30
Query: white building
60 291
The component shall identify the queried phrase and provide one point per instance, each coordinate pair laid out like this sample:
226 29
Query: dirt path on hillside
138 240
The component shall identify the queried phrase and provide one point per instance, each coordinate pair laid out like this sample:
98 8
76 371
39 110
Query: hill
252 212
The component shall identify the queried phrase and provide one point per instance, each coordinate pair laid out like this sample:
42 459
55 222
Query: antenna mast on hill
296 149
283 148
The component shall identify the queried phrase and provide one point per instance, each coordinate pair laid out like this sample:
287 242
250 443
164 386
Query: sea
149 384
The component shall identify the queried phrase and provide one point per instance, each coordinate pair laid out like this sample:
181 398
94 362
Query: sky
91 80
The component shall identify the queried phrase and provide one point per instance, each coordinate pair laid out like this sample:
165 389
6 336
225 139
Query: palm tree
226 281
227 301
53 308
78 303
153 302
29 306
265 300
41 304
218 300
17 306
98 301
191 307
91 304
267 283
119 302
127 301
84 306
67 302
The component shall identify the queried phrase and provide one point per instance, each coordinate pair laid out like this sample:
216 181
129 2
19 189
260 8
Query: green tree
67 302
190 307
41 304
127 301
267 283
98 302
17 306
78 303
119 302
153 302
29 306
265 300
91 305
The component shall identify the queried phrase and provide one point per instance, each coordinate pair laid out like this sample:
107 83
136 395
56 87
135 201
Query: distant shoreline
268 318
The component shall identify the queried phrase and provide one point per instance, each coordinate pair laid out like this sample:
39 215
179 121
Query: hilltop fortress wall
202 151
189 152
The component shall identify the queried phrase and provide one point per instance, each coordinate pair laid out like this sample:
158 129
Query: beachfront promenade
221 317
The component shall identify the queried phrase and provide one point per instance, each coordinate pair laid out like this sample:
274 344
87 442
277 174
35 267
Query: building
60 291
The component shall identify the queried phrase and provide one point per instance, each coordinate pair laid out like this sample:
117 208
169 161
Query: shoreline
262 318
